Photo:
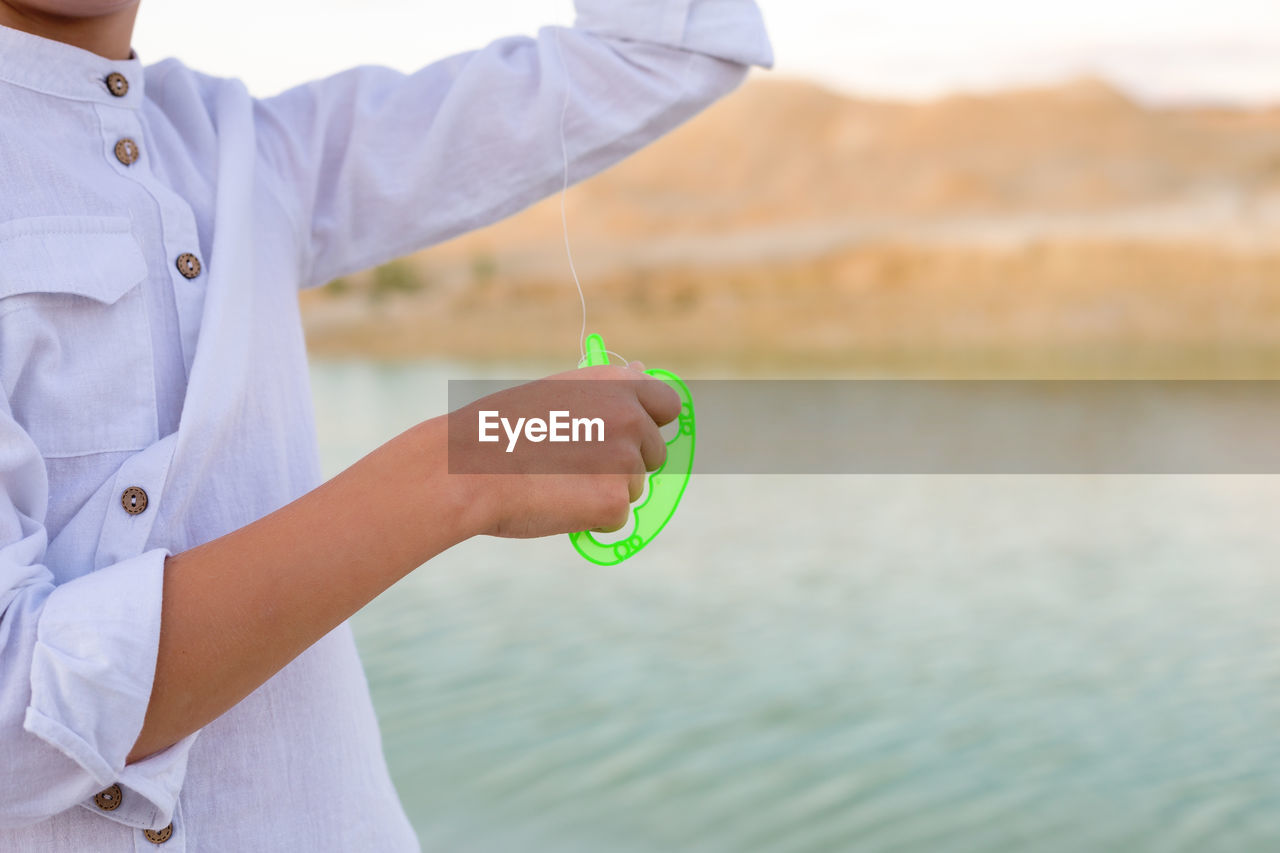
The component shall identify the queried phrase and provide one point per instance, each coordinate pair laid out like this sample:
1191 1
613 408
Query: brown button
158 836
109 800
134 500
127 151
188 265
117 85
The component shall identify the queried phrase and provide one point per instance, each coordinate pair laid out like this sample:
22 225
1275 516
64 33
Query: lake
830 663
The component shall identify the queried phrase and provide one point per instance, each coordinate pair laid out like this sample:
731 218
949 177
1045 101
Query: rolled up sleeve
375 164
77 662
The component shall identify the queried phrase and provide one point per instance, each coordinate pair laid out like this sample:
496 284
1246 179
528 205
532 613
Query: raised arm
376 164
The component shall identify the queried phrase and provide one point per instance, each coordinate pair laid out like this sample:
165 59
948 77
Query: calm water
838 663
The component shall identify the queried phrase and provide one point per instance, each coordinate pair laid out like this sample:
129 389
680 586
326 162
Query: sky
1162 51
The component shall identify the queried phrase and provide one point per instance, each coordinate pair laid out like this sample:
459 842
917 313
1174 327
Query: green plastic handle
666 485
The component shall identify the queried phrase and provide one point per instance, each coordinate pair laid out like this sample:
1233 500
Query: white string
564 189
564 219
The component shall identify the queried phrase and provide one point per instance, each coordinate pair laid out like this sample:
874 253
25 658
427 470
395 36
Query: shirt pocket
75 344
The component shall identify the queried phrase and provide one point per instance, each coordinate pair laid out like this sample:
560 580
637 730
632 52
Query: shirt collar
64 71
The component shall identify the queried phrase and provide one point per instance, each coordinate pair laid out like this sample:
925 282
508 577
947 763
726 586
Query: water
838 663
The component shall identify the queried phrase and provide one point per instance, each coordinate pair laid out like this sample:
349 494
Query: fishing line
564 219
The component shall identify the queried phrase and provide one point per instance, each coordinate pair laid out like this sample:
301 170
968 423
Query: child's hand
527 485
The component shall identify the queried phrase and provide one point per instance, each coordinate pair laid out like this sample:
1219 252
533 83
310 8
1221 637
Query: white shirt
121 378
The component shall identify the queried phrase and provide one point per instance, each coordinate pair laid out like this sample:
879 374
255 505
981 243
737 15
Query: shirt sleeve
77 661
376 164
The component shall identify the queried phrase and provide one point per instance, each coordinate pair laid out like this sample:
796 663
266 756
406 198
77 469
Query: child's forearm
238 608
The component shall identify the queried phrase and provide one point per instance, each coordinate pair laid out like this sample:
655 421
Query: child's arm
238 608
374 164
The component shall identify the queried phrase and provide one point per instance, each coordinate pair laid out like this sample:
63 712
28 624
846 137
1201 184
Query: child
175 664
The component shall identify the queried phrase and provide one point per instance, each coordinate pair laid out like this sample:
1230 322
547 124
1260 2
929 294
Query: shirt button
117 85
127 151
188 265
134 500
109 799
158 836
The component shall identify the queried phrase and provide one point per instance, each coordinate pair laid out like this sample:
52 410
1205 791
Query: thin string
564 218
621 358
564 189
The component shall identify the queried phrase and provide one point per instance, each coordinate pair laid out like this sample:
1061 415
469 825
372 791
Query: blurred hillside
1066 231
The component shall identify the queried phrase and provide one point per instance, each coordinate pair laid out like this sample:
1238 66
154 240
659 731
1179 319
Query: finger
653 449
637 365
635 486
614 529
619 513
659 399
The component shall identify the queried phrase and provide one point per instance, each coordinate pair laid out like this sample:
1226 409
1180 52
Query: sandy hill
786 152
1061 226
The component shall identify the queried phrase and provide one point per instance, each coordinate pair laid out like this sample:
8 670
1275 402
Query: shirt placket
128 152
139 481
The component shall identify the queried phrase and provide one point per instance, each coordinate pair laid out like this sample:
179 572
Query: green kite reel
666 485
